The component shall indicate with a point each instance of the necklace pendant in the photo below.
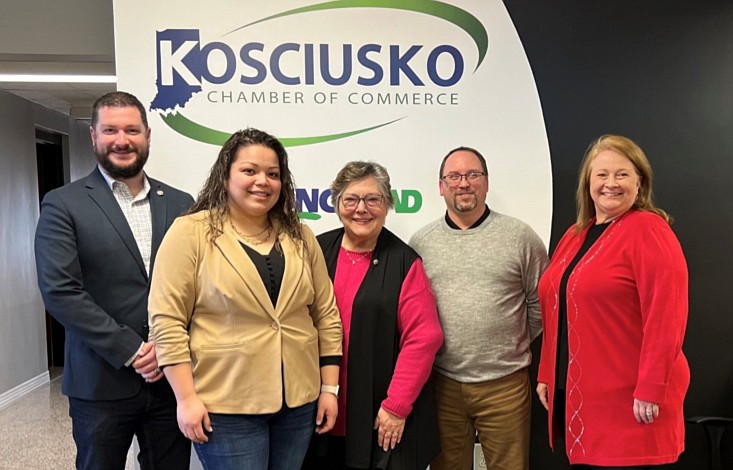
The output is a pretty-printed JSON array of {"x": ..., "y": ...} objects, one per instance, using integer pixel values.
[{"x": 355, "y": 257}]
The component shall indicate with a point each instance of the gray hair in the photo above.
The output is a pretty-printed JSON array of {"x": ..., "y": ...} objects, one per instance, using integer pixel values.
[{"x": 357, "y": 171}]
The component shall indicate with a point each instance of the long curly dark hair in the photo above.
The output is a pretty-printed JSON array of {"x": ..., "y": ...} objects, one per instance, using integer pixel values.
[{"x": 213, "y": 197}]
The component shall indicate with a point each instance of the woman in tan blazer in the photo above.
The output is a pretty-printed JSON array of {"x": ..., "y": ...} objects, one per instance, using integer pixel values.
[{"x": 243, "y": 315}]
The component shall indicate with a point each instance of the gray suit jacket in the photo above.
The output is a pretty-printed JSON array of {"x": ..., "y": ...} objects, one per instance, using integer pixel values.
[{"x": 93, "y": 281}]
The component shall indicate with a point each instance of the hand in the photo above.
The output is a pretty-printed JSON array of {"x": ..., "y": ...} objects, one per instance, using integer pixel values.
[
  {"x": 542, "y": 393},
  {"x": 327, "y": 412},
  {"x": 193, "y": 419},
  {"x": 389, "y": 429},
  {"x": 146, "y": 363},
  {"x": 645, "y": 411}
]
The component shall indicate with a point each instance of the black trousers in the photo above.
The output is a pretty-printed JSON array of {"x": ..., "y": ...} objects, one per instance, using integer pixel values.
[
  {"x": 326, "y": 453},
  {"x": 593, "y": 467}
]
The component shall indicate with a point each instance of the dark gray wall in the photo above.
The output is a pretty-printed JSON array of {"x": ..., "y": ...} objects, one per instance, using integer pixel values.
[
  {"x": 23, "y": 331},
  {"x": 660, "y": 72},
  {"x": 22, "y": 337}
]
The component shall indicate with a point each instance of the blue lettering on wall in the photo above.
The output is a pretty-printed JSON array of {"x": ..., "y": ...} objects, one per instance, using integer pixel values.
[
  {"x": 314, "y": 201},
  {"x": 184, "y": 62}
]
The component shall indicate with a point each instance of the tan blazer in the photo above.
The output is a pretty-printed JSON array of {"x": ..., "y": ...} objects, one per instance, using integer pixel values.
[{"x": 209, "y": 306}]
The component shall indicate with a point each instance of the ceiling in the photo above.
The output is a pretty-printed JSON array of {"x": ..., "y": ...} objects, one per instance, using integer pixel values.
[
  {"x": 73, "y": 37},
  {"x": 73, "y": 99}
]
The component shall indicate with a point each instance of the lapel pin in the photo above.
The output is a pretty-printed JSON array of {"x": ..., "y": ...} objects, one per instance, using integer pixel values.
[{"x": 160, "y": 192}]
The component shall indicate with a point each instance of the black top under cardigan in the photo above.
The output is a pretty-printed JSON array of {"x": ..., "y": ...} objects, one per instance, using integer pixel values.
[{"x": 374, "y": 344}]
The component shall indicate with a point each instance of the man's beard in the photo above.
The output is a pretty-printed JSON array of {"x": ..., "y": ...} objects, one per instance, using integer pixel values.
[
  {"x": 466, "y": 206},
  {"x": 124, "y": 172}
]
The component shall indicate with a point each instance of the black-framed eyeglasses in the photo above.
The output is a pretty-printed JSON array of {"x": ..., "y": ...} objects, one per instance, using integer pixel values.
[
  {"x": 372, "y": 201},
  {"x": 455, "y": 178}
]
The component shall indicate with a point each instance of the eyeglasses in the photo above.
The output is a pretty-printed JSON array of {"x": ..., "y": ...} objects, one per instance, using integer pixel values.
[
  {"x": 454, "y": 179},
  {"x": 372, "y": 201}
]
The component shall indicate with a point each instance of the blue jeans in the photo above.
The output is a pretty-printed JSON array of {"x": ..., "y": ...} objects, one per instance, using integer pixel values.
[
  {"x": 103, "y": 430},
  {"x": 276, "y": 441}
]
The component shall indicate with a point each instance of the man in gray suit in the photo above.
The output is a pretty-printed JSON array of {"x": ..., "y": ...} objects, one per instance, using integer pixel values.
[{"x": 95, "y": 245}]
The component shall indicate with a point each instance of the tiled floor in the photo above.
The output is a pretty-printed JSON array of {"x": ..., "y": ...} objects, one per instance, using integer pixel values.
[{"x": 35, "y": 431}]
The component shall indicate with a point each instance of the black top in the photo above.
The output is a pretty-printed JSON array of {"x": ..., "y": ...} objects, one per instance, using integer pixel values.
[
  {"x": 593, "y": 235},
  {"x": 271, "y": 268}
]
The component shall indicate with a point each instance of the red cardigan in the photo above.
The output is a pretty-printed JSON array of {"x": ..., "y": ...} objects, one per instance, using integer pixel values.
[{"x": 627, "y": 312}]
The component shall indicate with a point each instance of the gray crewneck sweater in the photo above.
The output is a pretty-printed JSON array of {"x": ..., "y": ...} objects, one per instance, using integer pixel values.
[{"x": 485, "y": 281}]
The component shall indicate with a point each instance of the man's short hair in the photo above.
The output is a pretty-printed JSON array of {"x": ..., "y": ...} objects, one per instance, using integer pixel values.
[
  {"x": 118, "y": 99},
  {"x": 467, "y": 149}
]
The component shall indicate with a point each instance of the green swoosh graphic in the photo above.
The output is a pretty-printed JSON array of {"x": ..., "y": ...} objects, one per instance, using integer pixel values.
[
  {"x": 309, "y": 215},
  {"x": 461, "y": 18},
  {"x": 184, "y": 126}
]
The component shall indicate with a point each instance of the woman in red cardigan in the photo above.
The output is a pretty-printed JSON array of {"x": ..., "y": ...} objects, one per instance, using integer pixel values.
[{"x": 612, "y": 373}]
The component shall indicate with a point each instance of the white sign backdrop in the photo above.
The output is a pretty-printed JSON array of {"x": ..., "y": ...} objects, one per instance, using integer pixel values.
[{"x": 400, "y": 82}]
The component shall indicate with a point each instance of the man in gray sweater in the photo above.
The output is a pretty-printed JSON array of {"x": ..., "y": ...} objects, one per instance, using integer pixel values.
[{"x": 484, "y": 268}]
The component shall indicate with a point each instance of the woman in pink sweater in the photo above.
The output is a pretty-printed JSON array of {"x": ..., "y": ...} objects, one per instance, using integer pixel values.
[{"x": 386, "y": 414}]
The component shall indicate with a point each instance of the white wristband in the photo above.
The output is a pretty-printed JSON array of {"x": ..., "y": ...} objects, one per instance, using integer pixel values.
[{"x": 334, "y": 389}]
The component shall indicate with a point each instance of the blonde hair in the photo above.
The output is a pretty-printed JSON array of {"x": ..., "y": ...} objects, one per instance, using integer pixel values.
[{"x": 629, "y": 149}]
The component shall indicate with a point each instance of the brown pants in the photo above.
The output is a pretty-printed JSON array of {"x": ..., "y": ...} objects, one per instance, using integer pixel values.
[{"x": 498, "y": 410}]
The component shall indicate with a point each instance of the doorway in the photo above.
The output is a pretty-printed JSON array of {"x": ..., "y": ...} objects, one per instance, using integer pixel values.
[{"x": 50, "y": 164}]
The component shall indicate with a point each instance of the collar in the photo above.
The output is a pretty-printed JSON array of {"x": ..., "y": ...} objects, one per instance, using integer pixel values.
[
  {"x": 111, "y": 181},
  {"x": 480, "y": 220}
]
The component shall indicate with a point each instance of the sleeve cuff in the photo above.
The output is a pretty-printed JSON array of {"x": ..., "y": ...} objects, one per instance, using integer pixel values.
[
  {"x": 401, "y": 410},
  {"x": 651, "y": 392},
  {"x": 330, "y": 361},
  {"x": 132, "y": 359}
]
